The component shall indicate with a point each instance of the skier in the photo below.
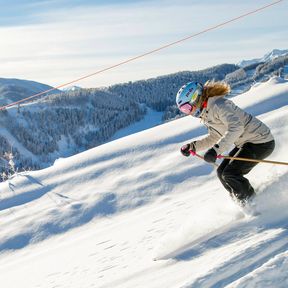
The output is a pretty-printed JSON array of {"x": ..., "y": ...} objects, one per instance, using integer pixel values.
[{"x": 227, "y": 125}]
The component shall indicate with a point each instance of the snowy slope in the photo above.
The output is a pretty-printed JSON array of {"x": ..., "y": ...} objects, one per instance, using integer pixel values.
[
  {"x": 151, "y": 119},
  {"x": 99, "y": 218}
]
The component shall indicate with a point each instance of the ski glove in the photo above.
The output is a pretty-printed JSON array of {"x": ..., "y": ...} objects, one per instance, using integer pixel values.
[
  {"x": 210, "y": 156},
  {"x": 185, "y": 149}
]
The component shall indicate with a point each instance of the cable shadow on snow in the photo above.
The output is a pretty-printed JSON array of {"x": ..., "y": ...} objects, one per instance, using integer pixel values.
[
  {"x": 32, "y": 179},
  {"x": 21, "y": 199},
  {"x": 24, "y": 198}
]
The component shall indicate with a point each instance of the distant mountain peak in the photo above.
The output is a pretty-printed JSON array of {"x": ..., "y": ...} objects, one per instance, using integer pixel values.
[
  {"x": 71, "y": 88},
  {"x": 274, "y": 54},
  {"x": 267, "y": 57}
]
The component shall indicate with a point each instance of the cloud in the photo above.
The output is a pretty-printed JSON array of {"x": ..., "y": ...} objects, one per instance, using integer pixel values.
[{"x": 72, "y": 41}]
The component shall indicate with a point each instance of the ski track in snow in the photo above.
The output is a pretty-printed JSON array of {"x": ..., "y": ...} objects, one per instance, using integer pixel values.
[{"x": 98, "y": 219}]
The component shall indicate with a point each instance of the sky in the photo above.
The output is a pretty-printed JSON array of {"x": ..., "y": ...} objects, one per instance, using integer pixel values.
[{"x": 58, "y": 41}]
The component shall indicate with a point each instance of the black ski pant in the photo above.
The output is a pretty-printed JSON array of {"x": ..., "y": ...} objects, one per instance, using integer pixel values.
[{"x": 230, "y": 172}]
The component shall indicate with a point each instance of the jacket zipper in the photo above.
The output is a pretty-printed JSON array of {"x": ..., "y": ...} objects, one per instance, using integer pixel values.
[{"x": 215, "y": 130}]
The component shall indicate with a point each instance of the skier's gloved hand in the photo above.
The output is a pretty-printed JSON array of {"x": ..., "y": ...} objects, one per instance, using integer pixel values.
[
  {"x": 210, "y": 156},
  {"x": 185, "y": 149}
]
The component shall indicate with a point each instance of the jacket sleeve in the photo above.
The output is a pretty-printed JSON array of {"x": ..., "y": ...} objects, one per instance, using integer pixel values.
[
  {"x": 208, "y": 141},
  {"x": 228, "y": 114}
]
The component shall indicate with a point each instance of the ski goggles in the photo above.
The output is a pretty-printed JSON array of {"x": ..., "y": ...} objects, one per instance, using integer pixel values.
[{"x": 186, "y": 108}]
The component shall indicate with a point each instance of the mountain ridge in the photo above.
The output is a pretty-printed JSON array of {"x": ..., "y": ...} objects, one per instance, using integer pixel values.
[
  {"x": 275, "y": 53},
  {"x": 66, "y": 123}
]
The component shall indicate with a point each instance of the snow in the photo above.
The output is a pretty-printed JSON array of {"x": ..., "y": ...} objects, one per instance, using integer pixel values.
[
  {"x": 26, "y": 84},
  {"x": 275, "y": 53},
  {"x": 99, "y": 218},
  {"x": 152, "y": 118}
]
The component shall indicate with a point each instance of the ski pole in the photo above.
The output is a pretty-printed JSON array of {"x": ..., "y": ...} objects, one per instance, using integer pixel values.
[
  {"x": 201, "y": 157},
  {"x": 241, "y": 159},
  {"x": 251, "y": 160}
]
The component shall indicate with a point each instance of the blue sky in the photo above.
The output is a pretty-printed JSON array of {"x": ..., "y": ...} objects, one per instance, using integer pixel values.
[{"x": 57, "y": 41}]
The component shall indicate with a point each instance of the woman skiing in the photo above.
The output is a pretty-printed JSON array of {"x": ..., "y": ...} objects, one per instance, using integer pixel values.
[{"x": 227, "y": 125}]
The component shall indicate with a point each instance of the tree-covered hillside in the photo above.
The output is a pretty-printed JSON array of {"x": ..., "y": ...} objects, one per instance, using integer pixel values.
[{"x": 66, "y": 123}]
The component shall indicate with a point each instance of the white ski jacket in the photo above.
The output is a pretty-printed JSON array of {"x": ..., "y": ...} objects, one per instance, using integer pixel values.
[{"x": 228, "y": 124}]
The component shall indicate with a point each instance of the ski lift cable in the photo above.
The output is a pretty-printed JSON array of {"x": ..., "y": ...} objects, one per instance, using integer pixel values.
[{"x": 141, "y": 55}]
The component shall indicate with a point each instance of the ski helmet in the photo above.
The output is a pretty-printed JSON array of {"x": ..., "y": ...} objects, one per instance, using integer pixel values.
[{"x": 189, "y": 95}]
